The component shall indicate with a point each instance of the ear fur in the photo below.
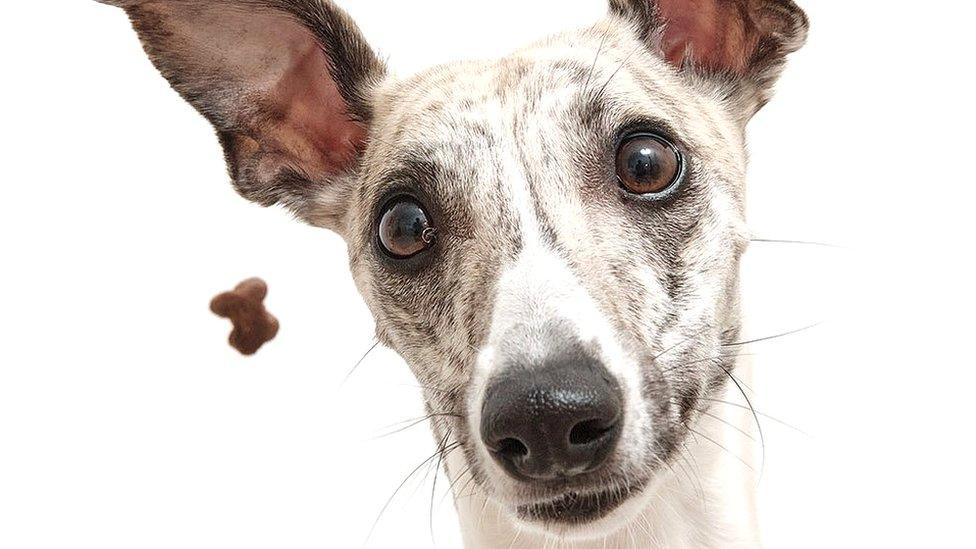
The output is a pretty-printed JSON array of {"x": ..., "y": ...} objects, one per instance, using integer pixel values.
[
  {"x": 286, "y": 84},
  {"x": 741, "y": 43}
]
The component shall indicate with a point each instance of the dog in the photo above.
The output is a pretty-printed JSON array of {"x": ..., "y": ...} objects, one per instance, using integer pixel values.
[{"x": 551, "y": 240}]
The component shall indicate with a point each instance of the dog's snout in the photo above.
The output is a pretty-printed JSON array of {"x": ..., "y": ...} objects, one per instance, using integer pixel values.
[{"x": 553, "y": 420}]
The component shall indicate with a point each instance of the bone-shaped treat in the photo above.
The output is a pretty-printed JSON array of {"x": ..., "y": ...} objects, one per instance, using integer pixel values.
[{"x": 244, "y": 306}]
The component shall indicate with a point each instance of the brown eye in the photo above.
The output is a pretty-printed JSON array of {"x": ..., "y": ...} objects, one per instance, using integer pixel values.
[
  {"x": 648, "y": 164},
  {"x": 404, "y": 229}
]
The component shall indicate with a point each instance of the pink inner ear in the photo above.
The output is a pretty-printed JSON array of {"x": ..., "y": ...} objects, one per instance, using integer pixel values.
[
  {"x": 266, "y": 78},
  {"x": 314, "y": 125},
  {"x": 717, "y": 34}
]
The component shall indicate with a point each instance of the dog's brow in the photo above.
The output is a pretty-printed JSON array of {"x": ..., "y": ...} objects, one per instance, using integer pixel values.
[
  {"x": 414, "y": 170},
  {"x": 598, "y": 111}
]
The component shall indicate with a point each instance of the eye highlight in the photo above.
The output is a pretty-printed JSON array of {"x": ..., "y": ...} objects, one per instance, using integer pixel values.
[
  {"x": 648, "y": 164},
  {"x": 404, "y": 229}
]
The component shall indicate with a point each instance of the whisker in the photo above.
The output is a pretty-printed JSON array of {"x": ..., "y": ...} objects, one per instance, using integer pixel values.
[
  {"x": 678, "y": 344},
  {"x": 713, "y": 361},
  {"x": 767, "y": 416},
  {"x": 800, "y": 242},
  {"x": 737, "y": 405},
  {"x": 619, "y": 67},
  {"x": 450, "y": 487},
  {"x": 657, "y": 458},
  {"x": 431, "y": 466},
  {"x": 695, "y": 483},
  {"x": 596, "y": 58},
  {"x": 464, "y": 487},
  {"x": 768, "y": 338},
  {"x": 633, "y": 540},
  {"x": 731, "y": 355},
  {"x": 716, "y": 443},
  {"x": 698, "y": 470},
  {"x": 518, "y": 532},
  {"x": 730, "y": 424},
  {"x": 433, "y": 492},
  {"x": 738, "y": 381},
  {"x": 428, "y": 387},
  {"x": 414, "y": 422},
  {"x": 425, "y": 416},
  {"x": 376, "y": 343},
  {"x": 481, "y": 515},
  {"x": 762, "y": 437},
  {"x": 389, "y": 501}
]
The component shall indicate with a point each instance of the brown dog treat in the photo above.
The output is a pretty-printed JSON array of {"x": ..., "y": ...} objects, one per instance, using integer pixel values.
[{"x": 253, "y": 324}]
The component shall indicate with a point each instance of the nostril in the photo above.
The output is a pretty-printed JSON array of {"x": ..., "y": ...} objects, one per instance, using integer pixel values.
[
  {"x": 589, "y": 431},
  {"x": 553, "y": 419},
  {"x": 511, "y": 448}
]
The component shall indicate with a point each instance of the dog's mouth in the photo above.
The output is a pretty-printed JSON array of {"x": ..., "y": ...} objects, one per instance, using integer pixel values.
[{"x": 574, "y": 508}]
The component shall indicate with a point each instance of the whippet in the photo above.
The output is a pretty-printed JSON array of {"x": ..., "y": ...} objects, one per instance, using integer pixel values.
[{"x": 551, "y": 240}]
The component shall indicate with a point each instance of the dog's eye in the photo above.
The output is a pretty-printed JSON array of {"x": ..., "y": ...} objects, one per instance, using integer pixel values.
[
  {"x": 648, "y": 164},
  {"x": 404, "y": 229}
]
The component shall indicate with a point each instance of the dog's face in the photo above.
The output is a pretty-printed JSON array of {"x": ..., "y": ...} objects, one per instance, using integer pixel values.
[{"x": 551, "y": 240}]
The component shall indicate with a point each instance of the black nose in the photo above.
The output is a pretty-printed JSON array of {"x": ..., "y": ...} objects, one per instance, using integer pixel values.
[{"x": 552, "y": 420}]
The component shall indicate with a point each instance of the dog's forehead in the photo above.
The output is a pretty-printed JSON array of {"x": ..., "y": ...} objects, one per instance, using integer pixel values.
[{"x": 544, "y": 94}]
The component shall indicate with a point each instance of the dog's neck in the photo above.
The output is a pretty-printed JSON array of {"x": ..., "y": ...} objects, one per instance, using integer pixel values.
[{"x": 705, "y": 499}]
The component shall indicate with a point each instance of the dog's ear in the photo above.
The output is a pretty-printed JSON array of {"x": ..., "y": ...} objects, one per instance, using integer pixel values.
[
  {"x": 741, "y": 42},
  {"x": 286, "y": 84}
]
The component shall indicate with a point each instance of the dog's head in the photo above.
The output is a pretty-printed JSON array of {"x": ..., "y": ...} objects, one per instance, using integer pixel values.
[{"x": 551, "y": 239}]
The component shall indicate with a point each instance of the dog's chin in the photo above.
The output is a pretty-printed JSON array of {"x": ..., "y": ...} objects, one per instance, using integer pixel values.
[{"x": 583, "y": 514}]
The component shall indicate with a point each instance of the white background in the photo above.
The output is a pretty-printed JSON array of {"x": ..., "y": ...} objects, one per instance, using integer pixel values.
[{"x": 126, "y": 421}]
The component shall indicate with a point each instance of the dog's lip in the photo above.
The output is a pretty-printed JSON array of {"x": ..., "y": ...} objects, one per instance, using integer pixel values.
[{"x": 577, "y": 507}]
